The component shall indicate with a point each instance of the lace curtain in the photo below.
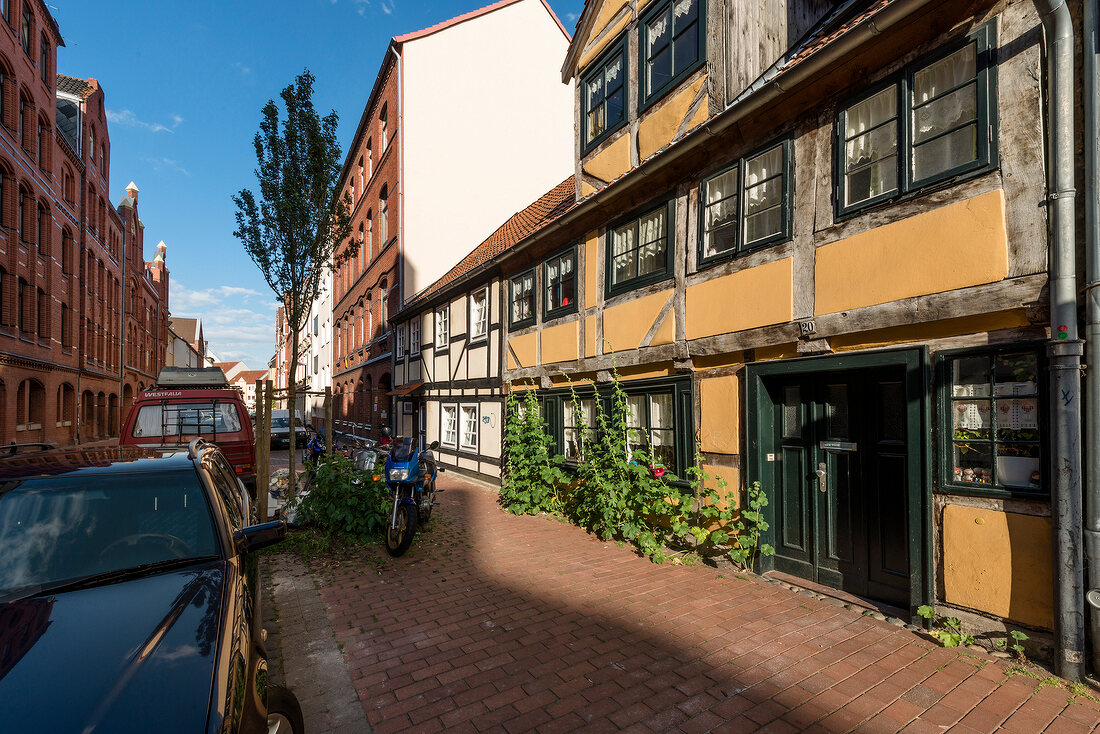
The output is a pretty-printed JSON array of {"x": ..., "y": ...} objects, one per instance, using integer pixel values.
[
  {"x": 945, "y": 114},
  {"x": 764, "y": 195}
]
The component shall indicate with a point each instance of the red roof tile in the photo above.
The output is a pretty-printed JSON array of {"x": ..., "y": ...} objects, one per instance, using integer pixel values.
[{"x": 521, "y": 225}]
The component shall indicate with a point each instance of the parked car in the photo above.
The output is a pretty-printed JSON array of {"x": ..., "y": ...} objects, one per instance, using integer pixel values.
[
  {"x": 280, "y": 429},
  {"x": 128, "y": 595},
  {"x": 187, "y": 403}
]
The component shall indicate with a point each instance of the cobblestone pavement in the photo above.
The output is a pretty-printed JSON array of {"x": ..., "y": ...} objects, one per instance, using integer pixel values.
[
  {"x": 499, "y": 623},
  {"x": 303, "y": 653}
]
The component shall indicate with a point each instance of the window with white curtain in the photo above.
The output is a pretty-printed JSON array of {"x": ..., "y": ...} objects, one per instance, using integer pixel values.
[
  {"x": 929, "y": 124},
  {"x": 578, "y": 427},
  {"x": 604, "y": 91},
  {"x": 479, "y": 313},
  {"x": 747, "y": 205},
  {"x": 414, "y": 335},
  {"x": 639, "y": 250},
  {"x": 651, "y": 427},
  {"x": 560, "y": 284},
  {"x": 449, "y": 426},
  {"x": 672, "y": 42},
  {"x": 442, "y": 328},
  {"x": 469, "y": 427},
  {"x": 522, "y": 301}
]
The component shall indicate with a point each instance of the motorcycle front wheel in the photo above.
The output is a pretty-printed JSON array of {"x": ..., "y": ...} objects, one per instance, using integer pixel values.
[{"x": 399, "y": 534}]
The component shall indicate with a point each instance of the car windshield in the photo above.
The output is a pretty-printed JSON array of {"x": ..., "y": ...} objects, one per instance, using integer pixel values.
[
  {"x": 59, "y": 529},
  {"x": 186, "y": 419},
  {"x": 403, "y": 449},
  {"x": 281, "y": 422}
]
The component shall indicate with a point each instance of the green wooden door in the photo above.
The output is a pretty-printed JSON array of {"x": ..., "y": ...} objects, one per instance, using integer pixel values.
[{"x": 839, "y": 455}]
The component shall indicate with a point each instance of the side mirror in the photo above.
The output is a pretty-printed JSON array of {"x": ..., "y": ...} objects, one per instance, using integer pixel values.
[
  {"x": 433, "y": 445},
  {"x": 259, "y": 536},
  {"x": 386, "y": 431}
]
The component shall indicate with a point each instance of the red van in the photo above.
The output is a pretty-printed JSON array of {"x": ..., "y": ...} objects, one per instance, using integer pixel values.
[{"x": 191, "y": 402}]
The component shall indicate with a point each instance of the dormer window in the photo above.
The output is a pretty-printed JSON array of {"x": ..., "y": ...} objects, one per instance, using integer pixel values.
[
  {"x": 603, "y": 97},
  {"x": 672, "y": 46}
]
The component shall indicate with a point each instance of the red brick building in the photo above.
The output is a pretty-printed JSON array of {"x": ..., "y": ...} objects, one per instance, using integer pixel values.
[
  {"x": 62, "y": 255},
  {"x": 365, "y": 287}
]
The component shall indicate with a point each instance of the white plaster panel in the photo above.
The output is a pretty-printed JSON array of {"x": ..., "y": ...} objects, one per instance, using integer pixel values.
[{"x": 487, "y": 128}]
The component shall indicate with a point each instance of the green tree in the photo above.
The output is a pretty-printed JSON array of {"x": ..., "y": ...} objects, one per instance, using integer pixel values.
[{"x": 293, "y": 231}]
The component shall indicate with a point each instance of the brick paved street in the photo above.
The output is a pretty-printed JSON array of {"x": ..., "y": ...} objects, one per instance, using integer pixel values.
[{"x": 502, "y": 623}]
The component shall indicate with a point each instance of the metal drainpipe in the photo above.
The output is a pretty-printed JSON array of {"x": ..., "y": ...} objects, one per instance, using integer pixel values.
[
  {"x": 1092, "y": 322},
  {"x": 1065, "y": 348}
]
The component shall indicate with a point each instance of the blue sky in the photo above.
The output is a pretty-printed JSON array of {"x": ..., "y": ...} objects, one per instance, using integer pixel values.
[{"x": 184, "y": 85}]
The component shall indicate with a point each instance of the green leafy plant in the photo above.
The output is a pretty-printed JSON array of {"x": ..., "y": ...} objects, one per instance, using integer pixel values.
[
  {"x": 748, "y": 528},
  {"x": 344, "y": 500},
  {"x": 532, "y": 480},
  {"x": 1018, "y": 639},
  {"x": 951, "y": 634},
  {"x": 618, "y": 494}
]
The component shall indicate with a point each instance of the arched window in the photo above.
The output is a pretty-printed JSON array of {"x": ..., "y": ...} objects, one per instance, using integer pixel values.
[
  {"x": 28, "y": 23},
  {"x": 383, "y": 211},
  {"x": 370, "y": 319},
  {"x": 44, "y": 56},
  {"x": 361, "y": 177},
  {"x": 22, "y": 214},
  {"x": 362, "y": 249},
  {"x": 66, "y": 251},
  {"x": 43, "y": 230},
  {"x": 370, "y": 235},
  {"x": 370, "y": 159},
  {"x": 383, "y": 302},
  {"x": 42, "y": 302},
  {"x": 383, "y": 130},
  {"x": 30, "y": 406}
]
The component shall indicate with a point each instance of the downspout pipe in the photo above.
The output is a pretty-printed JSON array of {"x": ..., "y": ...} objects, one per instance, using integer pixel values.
[
  {"x": 1065, "y": 347},
  {"x": 1092, "y": 321}
]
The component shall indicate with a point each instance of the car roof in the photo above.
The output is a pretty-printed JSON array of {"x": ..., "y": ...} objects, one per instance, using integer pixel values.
[{"x": 91, "y": 461}]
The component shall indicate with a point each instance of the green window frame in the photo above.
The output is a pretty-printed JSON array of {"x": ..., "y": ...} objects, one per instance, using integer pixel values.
[
  {"x": 559, "y": 278},
  {"x": 671, "y": 45},
  {"x": 639, "y": 249},
  {"x": 747, "y": 206},
  {"x": 604, "y": 97},
  {"x": 992, "y": 421},
  {"x": 675, "y": 431},
  {"x": 929, "y": 124},
  {"x": 521, "y": 299}
]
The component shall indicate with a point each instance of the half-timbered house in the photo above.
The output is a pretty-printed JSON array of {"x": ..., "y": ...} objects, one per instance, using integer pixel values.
[
  {"x": 448, "y": 356},
  {"x": 810, "y": 241}
]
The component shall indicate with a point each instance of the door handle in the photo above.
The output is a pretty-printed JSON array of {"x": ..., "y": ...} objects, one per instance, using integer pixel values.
[{"x": 822, "y": 484}]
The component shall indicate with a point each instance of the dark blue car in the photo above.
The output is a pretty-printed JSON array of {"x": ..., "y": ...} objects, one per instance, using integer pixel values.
[{"x": 128, "y": 595}]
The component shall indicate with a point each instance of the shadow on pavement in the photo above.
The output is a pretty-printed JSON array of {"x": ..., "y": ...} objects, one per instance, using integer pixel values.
[{"x": 494, "y": 622}]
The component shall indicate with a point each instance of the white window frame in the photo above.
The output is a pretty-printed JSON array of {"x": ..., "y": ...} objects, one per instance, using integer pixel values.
[
  {"x": 401, "y": 340},
  {"x": 452, "y": 408},
  {"x": 483, "y": 322},
  {"x": 443, "y": 327},
  {"x": 414, "y": 334},
  {"x": 462, "y": 426}
]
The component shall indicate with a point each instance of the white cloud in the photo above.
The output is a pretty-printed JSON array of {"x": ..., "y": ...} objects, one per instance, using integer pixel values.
[
  {"x": 169, "y": 163},
  {"x": 387, "y": 7},
  {"x": 233, "y": 329},
  {"x": 242, "y": 68},
  {"x": 127, "y": 117}
]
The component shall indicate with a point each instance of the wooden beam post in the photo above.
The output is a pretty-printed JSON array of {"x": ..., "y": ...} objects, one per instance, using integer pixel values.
[{"x": 328, "y": 420}]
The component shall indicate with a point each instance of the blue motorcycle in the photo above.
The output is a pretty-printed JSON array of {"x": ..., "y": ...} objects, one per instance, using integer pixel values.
[{"x": 410, "y": 475}]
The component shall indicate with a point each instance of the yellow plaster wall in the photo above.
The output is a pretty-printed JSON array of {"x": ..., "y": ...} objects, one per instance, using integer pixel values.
[
  {"x": 658, "y": 127},
  {"x": 559, "y": 343},
  {"x": 954, "y": 246},
  {"x": 744, "y": 300},
  {"x": 587, "y": 189},
  {"x": 590, "y": 336},
  {"x": 611, "y": 162},
  {"x": 524, "y": 348},
  {"x": 931, "y": 330},
  {"x": 625, "y": 325},
  {"x": 666, "y": 332},
  {"x": 999, "y": 563},
  {"x": 719, "y": 408},
  {"x": 591, "y": 268},
  {"x": 606, "y": 14},
  {"x": 729, "y": 474}
]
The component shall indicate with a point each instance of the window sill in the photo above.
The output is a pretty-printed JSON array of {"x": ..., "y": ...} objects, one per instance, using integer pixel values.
[
  {"x": 991, "y": 491},
  {"x": 560, "y": 312}
]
